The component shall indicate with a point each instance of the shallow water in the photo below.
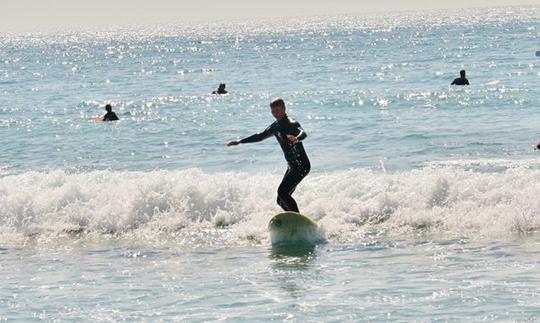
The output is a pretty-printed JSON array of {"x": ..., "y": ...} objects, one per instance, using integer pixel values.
[
  {"x": 427, "y": 194},
  {"x": 452, "y": 280}
]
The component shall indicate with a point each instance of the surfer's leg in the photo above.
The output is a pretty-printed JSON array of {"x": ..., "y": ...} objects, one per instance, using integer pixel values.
[
  {"x": 283, "y": 189},
  {"x": 291, "y": 179},
  {"x": 299, "y": 175}
]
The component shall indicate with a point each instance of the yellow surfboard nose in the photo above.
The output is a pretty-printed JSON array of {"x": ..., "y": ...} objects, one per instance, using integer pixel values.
[{"x": 292, "y": 227}]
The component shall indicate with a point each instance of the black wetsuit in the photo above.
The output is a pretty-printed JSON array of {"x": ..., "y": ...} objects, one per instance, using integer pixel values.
[
  {"x": 110, "y": 116},
  {"x": 460, "y": 81},
  {"x": 299, "y": 165}
]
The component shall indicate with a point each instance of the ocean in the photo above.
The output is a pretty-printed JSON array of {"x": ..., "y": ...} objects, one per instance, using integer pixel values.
[{"x": 427, "y": 194}]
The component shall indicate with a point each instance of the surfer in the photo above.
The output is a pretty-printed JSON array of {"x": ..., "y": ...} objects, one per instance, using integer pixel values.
[
  {"x": 221, "y": 89},
  {"x": 110, "y": 115},
  {"x": 289, "y": 134},
  {"x": 461, "y": 80}
]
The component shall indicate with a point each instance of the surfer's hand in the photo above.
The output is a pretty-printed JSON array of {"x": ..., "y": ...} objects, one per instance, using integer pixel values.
[
  {"x": 292, "y": 139},
  {"x": 233, "y": 143}
]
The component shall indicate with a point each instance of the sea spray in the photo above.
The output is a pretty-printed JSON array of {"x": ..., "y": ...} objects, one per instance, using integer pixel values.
[{"x": 442, "y": 200}]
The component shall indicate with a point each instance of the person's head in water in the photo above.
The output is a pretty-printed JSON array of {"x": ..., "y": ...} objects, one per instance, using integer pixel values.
[
  {"x": 278, "y": 108},
  {"x": 110, "y": 115},
  {"x": 461, "y": 80},
  {"x": 221, "y": 89}
]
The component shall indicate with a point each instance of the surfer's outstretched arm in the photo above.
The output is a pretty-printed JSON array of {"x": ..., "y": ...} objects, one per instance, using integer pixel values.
[{"x": 267, "y": 133}]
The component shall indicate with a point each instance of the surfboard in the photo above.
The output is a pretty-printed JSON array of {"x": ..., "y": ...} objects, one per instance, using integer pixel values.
[{"x": 293, "y": 227}]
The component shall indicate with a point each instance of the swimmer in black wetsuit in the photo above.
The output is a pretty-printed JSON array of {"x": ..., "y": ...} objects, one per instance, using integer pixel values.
[
  {"x": 221, "y": 89},
  {"x": 289, "y": 134},
  {"x": 110, "y": 115},
  {"x": 462, "y": 80}
]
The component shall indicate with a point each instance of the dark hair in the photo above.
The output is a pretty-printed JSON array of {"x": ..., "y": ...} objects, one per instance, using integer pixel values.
[
  {"x": 108, "y": 107},
  {"x": 462, "y": 72},
  {"x": 277, "y": 102}
]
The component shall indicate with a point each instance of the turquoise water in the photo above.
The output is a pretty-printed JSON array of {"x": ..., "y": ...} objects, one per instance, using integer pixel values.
[{"x": 427, "y": 194}]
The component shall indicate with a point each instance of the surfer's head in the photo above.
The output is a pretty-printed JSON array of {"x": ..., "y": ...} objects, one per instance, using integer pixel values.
[
  {"x": 222, "y": 86},
  {"x": 278, "y": 108},
  {"x": 108, "y": 108},
  {"x": 462, "y": 73}
]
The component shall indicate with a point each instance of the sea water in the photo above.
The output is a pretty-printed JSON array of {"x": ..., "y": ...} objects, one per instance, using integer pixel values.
[{"x": 428, "y": 194}]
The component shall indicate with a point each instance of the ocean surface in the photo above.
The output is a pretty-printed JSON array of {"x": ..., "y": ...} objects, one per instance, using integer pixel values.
[{"x": 427, "y": 194}]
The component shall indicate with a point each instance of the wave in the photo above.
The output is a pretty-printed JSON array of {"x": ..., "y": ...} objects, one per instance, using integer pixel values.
[{"x": 200, "y": 208}]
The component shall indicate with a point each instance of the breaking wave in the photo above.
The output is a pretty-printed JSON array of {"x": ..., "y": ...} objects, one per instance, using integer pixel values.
[{"x": 196, "y": 207}]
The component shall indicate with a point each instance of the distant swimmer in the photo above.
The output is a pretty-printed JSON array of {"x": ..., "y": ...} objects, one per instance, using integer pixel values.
[
  {"x": 290, "y": 135},
  {"x": 110, "y": 115},
  {"x": 462, "y": 80},
  {"x": 221, "y": 89}
]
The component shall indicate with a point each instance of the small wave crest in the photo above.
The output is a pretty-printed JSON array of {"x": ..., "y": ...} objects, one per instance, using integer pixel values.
[{"x": 196, "y": 207}]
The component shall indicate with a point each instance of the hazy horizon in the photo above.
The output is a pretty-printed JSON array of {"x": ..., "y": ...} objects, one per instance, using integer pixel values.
[{"x": 79, "y": 14}]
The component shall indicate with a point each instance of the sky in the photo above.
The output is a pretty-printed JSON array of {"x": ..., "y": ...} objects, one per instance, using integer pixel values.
[{"x": 38, "y": 15}]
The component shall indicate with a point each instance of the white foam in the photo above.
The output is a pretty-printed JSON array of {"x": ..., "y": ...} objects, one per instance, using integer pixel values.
[{"x": 195, "y": 207}]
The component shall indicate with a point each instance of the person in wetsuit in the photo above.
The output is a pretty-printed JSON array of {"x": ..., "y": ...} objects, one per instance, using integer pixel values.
[
  {"x": 221, "y": 89},
  {"x": 462, "y": 80},
  {"x": 289, "y": 134},
  {"x": 110, "y": 115}
]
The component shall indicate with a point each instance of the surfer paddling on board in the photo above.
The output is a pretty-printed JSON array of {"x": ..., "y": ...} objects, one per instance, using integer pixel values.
[{"x": 289, "y": 134}]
